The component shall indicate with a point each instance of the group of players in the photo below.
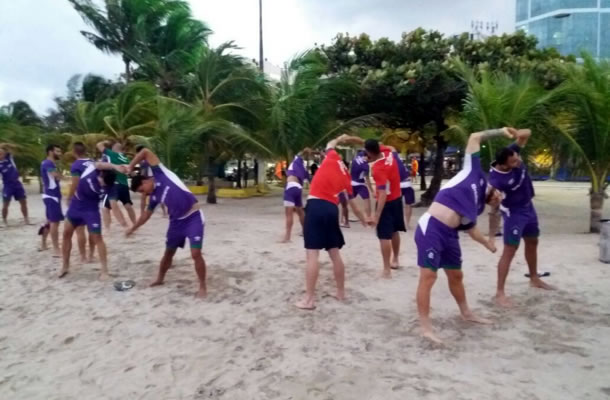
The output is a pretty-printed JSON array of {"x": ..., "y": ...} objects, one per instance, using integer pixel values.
[
  {"x": 106, "y": 182},
  {"x": 455, "y": 208}
]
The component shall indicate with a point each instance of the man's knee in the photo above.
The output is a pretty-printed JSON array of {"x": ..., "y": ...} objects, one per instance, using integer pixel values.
[
  {"x": 509, "y": 251},
  {"x": 455, "y": 276},
  {"x": 196, "y": 253},
  {"x": 427, "y": 277},
  {"x": 530, "y": 241}
]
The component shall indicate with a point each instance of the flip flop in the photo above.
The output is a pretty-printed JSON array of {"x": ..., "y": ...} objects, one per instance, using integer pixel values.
[
  {"x": 540, "y": 274},
  {"x": 122, "y": 286}
]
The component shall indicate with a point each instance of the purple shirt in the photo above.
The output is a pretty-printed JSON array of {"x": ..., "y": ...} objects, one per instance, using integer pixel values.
[
  {"x": 172, "y": 192},
  {"x": 297, "y": 169},
  {"x": 89, "y": 190},
  {"x": 402, "y": 170},
  {"x": 516, "y": 185},
  {"x": 49, "y": 183},
  {"x": 8, "y": 170},
  {"x": 359, "y": 170},
  {"x": 79, "y": 166},
  {"x": 465, "y": 192}
]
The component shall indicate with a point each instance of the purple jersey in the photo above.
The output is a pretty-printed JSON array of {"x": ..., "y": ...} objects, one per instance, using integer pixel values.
[
  {"x": 359, "y": 170},
  {"x": 465, "y": 192},
  {"x": 172, "y": 192},
  {"x": 515, "y": 185},
  {"x": 49, "y": 183},
  {"x": 89, "y": 192},
  {"x": 8, "y": 170},
  {"x": 402, "y": 170},
  {"x": 297, "y": 169},
  {"x": 79, "y": 166}
]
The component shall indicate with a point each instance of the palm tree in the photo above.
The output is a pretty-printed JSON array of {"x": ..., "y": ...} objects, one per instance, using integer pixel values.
[
  {"x": 172, "y": 50},
  {"x": 132, "y": 114},
  {"x": 119, "y": 26},
  {"x": 583, "y": 106},
  {"x": 229, "y": 98}
]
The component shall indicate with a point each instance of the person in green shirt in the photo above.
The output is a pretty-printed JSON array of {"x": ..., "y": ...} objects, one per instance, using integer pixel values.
[{"x": 120, "y": 191}]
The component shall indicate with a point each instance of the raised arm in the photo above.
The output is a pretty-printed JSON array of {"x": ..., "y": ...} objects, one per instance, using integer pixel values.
[
  {"x": 147, "y": 155},
  {"x": 475, "y": 139},
  {"x": 101, "y": 146},
  {"x": 345, "y": 139},
  {"x": 522, "y": 136},
  {"x": 109, "y": 166}
]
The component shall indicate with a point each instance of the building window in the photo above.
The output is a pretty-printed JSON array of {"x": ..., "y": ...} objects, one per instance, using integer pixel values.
[
  {"x": 540, "y": 7},
  {"x": 522, "y": 10},
  {"x": 569, "y": 35},
  {"x": 604, "y": 47}
]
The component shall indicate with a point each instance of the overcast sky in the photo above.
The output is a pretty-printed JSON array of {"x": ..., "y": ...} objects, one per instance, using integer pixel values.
[{"x": 41, "y": 47}]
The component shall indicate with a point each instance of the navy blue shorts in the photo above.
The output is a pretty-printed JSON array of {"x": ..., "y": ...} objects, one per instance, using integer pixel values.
[
  {"x": 391, "y": 220},
  {"x": 322, "y": 229}
]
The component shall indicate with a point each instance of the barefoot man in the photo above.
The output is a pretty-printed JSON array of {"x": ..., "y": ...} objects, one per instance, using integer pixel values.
[
  {"x": 77, "y": 168},
  {"x": 84, "y": 210},
  {"x": 509, "y": 175},
  {"x": 388, "y": 217},
  {"x": 293, "y": 193},
  {"x": 120, "y": 191},
  {"x": 322, "y": 229},
  {"x": 12, "y": 187},
  {"x": 51, "y": 197},
  {"x": 361, "y": 182},
  {"x": 185, "y": 218},
  {"x": 455, "y": 207}
]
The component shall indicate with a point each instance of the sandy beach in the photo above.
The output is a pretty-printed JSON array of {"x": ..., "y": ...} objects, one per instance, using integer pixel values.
[{"x": 78, "y": 338}]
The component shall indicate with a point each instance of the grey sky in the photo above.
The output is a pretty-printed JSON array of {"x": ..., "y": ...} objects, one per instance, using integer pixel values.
[{"x": 42, "y": 48}]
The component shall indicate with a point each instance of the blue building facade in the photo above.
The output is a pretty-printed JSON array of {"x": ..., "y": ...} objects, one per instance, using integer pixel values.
[{"x": 570, "y": 26}]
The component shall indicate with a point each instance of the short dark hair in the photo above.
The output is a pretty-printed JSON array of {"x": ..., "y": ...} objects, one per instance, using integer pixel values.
[
  {"x": 503, "y": 155},
  {"x": 372, "y": 146},
  {"x": 52, "y": 147},
  {"x": 137, "y": 181},
  {"x": 109, "y": 177},
  {"x": 79, "y": 148},
  {"x": 139, "y": 148}
]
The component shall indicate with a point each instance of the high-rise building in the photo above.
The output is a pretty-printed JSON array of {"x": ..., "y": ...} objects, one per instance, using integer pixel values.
[{"x": 568, "y": 25}]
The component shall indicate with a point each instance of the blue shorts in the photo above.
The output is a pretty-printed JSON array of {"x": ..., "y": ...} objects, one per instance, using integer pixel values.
[
  {"x": 321, "y": 230},
  {"x": 360, "y": 190},
  {"x": 53, "y": 209},
  {"x": 191, "y": 227},
  {"x": 90, "y": 218},
  {"x": 13, "y": 190},
  {"x": 392, "y": 220},
  {"x": 293, "y": 196},
  {"x": 409, "y": 195},
  {"x": 438, "y": 246},
  {"x": 518, "y": 223}
]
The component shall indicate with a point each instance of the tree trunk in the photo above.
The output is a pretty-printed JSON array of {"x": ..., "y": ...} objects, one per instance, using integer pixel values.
[
  {"x": 211, "y": 199},
  {"x": 238, "y": 177},
  {"x": 127, "y": 70},
  {"x": 437, "y": 178},
  {"x": 422, "y": 171},
  {"x": 256, "y": 172},
  {"x": 597, "y": 207}
]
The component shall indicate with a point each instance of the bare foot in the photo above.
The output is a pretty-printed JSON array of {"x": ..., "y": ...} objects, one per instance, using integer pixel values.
[
  {"x": 540, "y": 284},
  {"x": 84, "y": 260},
  {"x": 340, "y": 295},
  {"x": 429, "y": 334},
  {"x": 156, "y": 283},
  {"x": 395, "y": 264},
  {"x": 103, "y": 276},
  {"x": 62, "y": 273},
  {"x": 201, "y": 293},
  {"x": 306, "y": 304},
  {"x": 285, "y": 241},
  {"x": 56, "y": 253},
  {"x": 43, "y": 248},
  {"x": 386, "y": 274},
  {"x": 503, "y": 301},
  {"x": 345, "y": 225},
  {"x": 91, "y": 260},
  {"x": 27, "y": 222},
  {"x": 470, "y": 317}
]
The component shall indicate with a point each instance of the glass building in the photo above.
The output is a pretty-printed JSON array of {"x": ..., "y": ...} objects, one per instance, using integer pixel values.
[{"x": 568, "y": 25}]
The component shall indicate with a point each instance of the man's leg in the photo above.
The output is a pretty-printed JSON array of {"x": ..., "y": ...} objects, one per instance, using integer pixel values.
[
  {"x": 143, "y": 199},
  {"x": 200, "y": 268},
  {"x": 311, "y": 277},
  {"x": 106, "y": 217},
  {"x": 66, "y": 246},
  {"x": 131, "y": 213},
  {"x": 408, "y": 213},
  {"x": 339, "y": 270},
  {"x": 98, "y": 239},
  {"x": 456, "y": 287},
  {"x": 24, "y": 210},
  {"x": 44, "y": 235},
  {"x": 301, "y": 213},
  {"x": 5, "y": 203},
  {"x": 118, "y": 214},
  {"x": 344, "y": 215},
  {"x": 531, "y": 257},
  {"x": 91, "y": 249},
  {"x": 289, "y": 211},
  {"x": 81, "y": 239},
  {"x": 54, "y": 231},
  {"x": 427, "y": 277},
  {"x": 395, "y": 250},
  {"x": 386, "y": 255},
  {"x": 166, "y": 262},
  {"x": 503, "y": 266}
]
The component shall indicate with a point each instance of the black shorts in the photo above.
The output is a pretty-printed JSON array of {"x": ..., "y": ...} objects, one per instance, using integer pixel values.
[
  {"x": 118, "y": 192},
  {"x": 322, "y": 229},
  {"x": 391, "y": 220}
]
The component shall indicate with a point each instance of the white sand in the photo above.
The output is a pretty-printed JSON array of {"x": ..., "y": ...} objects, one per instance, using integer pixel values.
[{"x": 80, "y": 339}]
